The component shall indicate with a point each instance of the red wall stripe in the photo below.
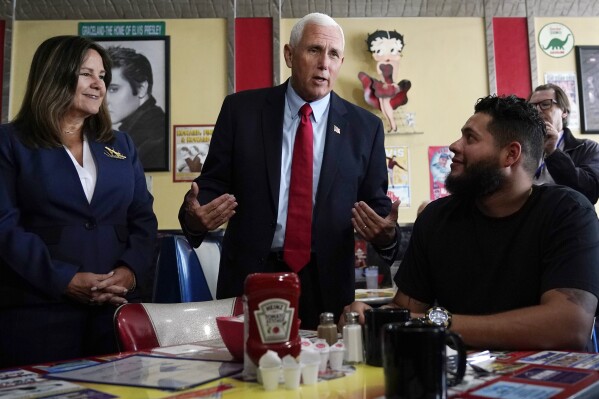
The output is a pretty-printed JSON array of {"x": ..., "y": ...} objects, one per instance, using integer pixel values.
[
  {"x": 512, "y": 60},
  {"x": 253, "y": 53},
  {"x": 2, "y": 30}
]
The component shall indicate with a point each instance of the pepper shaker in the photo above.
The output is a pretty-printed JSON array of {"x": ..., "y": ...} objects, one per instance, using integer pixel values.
[{"x": 327, "y": 330}]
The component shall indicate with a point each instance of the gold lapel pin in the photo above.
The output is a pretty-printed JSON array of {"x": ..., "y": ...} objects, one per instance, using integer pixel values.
[{"x": 109, "y": 152}]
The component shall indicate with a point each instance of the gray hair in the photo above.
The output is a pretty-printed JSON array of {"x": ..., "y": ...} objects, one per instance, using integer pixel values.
[
  {"x": 560, "y": 97},
  {"x": 315, "y": 18}
]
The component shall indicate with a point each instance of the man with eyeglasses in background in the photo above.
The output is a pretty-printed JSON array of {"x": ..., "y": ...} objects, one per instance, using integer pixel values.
[{"x": 566, "y": 160}]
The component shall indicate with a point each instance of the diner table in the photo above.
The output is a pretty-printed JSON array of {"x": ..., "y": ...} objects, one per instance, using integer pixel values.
[
  {"x": 365, "y": 383},
  {"x": 547, "y": 374},
  {"x": 544, "y": 374}
]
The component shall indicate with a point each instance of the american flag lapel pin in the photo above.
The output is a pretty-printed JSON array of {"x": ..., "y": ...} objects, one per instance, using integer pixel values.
[{"x": 336, "y": 129}]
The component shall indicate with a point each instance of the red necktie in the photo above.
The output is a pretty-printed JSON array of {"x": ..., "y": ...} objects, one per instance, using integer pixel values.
[{"x": 298, "y": 235}]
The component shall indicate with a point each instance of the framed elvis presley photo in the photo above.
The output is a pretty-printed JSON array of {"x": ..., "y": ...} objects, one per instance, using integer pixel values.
[{"x": 138, "y": 95}]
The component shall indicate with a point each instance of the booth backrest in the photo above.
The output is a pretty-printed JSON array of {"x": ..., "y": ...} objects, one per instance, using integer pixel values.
[
  {"x": 185, "y": 274},
  {"x": 141, "y": 326},
  {"x": 208, "y": 254}
]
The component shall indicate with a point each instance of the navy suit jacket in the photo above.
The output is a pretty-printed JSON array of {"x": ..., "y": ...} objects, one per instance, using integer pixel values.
[
  {"x": 245, "y": 160},
  {"x": 48, "y": 229}
]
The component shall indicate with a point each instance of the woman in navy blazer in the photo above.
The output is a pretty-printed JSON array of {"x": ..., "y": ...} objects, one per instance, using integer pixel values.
[{"x": 77, "y": 229}]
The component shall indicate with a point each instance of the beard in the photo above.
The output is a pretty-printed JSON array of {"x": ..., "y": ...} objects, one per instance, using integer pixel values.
[{"x": 477, "y": 180}]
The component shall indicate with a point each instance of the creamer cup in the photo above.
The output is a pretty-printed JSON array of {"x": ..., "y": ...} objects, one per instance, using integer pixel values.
[
  {"x": 270, "y": 377},
  {"x": 310, "y": 373},
  {"x": 322, "y": 347},
  {"x": 336, "y": 353}
]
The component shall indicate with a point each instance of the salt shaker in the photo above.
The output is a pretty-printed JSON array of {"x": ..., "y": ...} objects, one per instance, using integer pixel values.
[
  {"x": 352, "y": 338},
  {"x": 327, "y": 330}
]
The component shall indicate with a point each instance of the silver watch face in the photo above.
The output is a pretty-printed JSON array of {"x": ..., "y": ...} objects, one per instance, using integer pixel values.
[{"x": 438, "y": 316}]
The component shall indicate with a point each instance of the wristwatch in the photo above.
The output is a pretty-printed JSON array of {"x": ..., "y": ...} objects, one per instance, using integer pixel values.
[{"x": 437, "y": 316}]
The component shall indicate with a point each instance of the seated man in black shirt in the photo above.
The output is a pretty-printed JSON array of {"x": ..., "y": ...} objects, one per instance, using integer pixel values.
[{"x": 507, "y": 265}]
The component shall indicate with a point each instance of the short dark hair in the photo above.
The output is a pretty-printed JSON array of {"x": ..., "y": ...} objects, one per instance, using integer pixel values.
[
  {"x": 136, "y": 68},
  {"x": 515, "y": 119},
  {"x": 51, "y": 87},
  {"x": 560, "y": 98}
]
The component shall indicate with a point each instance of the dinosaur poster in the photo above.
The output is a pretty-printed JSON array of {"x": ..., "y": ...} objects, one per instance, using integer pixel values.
[
  {"x": 556, "y": 40},
  {"x": 383, "y": 91}
]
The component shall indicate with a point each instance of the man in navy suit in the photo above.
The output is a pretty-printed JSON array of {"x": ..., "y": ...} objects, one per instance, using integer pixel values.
[{"x": 246, "y": 178}]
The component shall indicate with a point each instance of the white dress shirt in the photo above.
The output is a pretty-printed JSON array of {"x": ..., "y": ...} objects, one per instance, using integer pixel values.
[
  {"x": 87, "y": 173},
  {"x": 291, "y": 119}
]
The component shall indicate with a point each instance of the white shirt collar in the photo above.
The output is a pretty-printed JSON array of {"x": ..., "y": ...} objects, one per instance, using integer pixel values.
[{"x": 295, "y": 102}]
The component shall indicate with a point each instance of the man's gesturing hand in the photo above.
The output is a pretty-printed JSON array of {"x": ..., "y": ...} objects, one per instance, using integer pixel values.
[{"x": 202, "y": 218}]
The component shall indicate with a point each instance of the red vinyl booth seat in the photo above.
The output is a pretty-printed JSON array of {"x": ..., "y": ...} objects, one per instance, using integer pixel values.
[{"x": 142, "y": 326}]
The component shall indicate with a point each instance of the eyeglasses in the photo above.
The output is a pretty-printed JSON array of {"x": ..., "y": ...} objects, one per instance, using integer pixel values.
[{"x": 545, "y": 104}]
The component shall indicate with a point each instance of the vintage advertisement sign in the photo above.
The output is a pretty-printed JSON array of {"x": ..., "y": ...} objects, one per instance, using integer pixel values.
[
  {"x": 191, "y": 146},
  {"x": 398, "y": 164},
  {"x": 556, "y": 40},
  {"x": 439, "y": 166},
  {"x": 107, "y": 29}
]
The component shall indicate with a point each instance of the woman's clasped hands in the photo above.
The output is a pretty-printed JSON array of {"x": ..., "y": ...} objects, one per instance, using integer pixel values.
[{"x": 98, "y": 289}]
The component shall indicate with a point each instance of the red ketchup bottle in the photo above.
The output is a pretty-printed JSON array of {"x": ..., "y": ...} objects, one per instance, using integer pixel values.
[{"x": 270, "y": 305}]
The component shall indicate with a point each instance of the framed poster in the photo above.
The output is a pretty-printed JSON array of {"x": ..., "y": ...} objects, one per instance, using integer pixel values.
[
  {"x": 439, "y": 158},
  {"x": 191, "y": 145},
  {"x": 587, "y": 69},
  {"x": 138, "y": 94},
  {"x": 567, "y": 82},
  {"x": 398, "y": 165}
]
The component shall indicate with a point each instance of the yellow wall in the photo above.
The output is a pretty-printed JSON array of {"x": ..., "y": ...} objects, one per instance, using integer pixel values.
[
  {"x": 584, "y": 31},
  {"x": 198, "y": 84},
  {"x": 444, "y": 58},
  {"x": 446, "y": 61},
  {"x": 585, "y": 34}
]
